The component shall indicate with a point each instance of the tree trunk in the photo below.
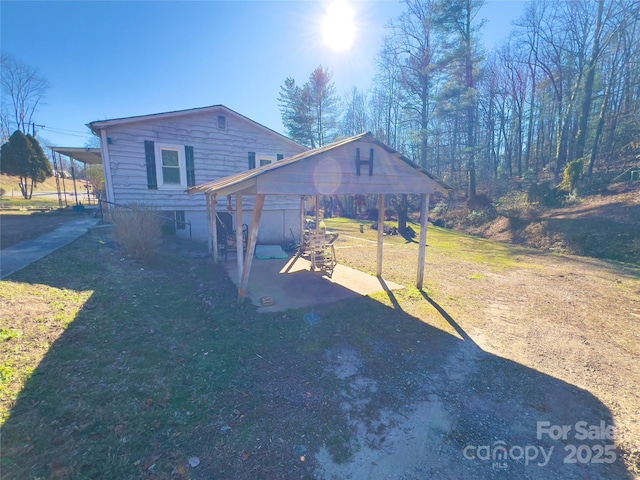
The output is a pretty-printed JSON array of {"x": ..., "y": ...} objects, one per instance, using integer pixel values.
[
  {"x": 471, "y": 140},
  {"x": 24, "y": 187},
  {"x": 588, "y": 86},
  {"x": 403, "y": 206}
]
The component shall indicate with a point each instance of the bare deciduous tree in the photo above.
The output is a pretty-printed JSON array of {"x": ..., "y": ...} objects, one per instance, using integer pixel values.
[{"x": 23, "y": 89}]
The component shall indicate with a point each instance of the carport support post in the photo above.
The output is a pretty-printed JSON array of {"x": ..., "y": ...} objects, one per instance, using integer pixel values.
[
  {"x": 380, "y": 233},
  {"x": 214, "y": 228},
  {"x": 424, "y": 216},
  {"x": 302, "y": 218},
  {"x": 239, "y": 246},
  {"x": 207, "y": 200},
  {"x": 251, "y": 246}
]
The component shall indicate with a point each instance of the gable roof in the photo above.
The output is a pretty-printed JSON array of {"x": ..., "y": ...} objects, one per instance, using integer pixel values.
[
  {"x": 98, "y": 125},
  {"x": 249, "y": 181}
]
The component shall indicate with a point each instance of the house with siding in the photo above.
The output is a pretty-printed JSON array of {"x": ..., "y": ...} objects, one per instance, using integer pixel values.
[{"x": 154, "y": 159}]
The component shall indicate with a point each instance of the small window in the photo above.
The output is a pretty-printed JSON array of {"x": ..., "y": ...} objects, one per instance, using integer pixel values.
[
  {"x": 181, "y": 223},
  {"x": 252, "y": 160},
  {"x": 265, "y": 159},
  {"x": 222, "y": 122},
  {"x": 279, "y": 157}
]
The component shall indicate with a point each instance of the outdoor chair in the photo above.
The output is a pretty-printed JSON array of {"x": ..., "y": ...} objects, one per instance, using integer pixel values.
[
  {"x": 227, "y": 240},
  {"x": 322, "y": 255}
]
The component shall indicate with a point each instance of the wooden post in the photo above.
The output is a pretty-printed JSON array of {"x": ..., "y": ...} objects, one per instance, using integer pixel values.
[
  {"x": 209, "y": 234},
  {"x": 424, "y": 216},
  {"x": 239, "y": 247},
  {"x": 214, "y": 229},
  {"x": 302, "y": 218},
  {"x": 317, "y": 214},
  {"x": 251, "y": 246},
  {"x": 380, "y": 233}
]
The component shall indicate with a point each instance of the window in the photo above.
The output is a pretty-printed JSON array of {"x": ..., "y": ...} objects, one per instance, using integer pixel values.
[
  {"x": 171, "y": 166},
  {"x": 180, "y": 220},
  {"x": 262, "y": 159},
  {"x": 222, "y": 122},
  {"x": 265, "y": 159}
]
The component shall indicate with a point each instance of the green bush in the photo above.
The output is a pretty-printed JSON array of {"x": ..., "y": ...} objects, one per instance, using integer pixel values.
[
  {"x": 477, "y": 218},
  {"x": 440, "y": 208},
  {"x": 572, "y": 175}
]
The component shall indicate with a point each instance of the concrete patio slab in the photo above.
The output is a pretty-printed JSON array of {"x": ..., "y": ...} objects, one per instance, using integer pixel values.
[{"x": 291, "y": 284}]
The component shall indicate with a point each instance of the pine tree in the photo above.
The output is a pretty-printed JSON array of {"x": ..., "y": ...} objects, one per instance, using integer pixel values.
[
  {"x": 23, "y": 157},
  {"x": 310, "y": 113}
]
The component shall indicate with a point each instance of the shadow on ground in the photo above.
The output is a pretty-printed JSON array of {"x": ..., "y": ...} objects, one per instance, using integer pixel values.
[
  {"x": 18, "y": 228},
  {"x": 162, "y": 375}
]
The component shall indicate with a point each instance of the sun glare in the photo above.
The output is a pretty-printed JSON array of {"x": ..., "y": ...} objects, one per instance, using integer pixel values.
[{"x": 338, "y": 29}]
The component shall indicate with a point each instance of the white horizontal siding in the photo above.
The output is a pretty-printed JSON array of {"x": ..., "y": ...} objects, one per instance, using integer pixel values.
[
  {"x": 275, "y": 226},
  {"x": 217, "y": 153}
]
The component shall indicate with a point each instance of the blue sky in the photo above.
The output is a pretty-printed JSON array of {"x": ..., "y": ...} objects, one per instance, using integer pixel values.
[{"x": 115, "y": 59}]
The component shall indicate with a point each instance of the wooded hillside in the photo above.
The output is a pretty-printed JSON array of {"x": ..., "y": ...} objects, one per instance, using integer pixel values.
[{"x": 563, "y": 90}]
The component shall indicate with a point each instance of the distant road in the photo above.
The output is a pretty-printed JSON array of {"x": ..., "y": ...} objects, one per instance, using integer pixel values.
[{"x": 53, "y": 195}]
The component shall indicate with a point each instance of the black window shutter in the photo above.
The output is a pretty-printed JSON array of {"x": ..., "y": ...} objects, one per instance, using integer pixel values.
[
  {"x": 279, "y": 157},
  {"x": 252, "y": 160},
  {"x": 150, "y": 156},
  {"x": 191, "y": 171}
]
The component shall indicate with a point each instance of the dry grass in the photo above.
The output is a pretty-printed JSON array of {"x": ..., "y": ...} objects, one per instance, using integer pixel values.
[
  {"x": 116, "y": 369},
  {"x": 137, "y": 229},
  {"x": 9, "y": 183},
  {"x": 40, "y": 314}
]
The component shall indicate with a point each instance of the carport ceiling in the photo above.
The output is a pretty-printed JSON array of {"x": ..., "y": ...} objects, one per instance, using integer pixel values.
[{"x": 91, "y": 156}]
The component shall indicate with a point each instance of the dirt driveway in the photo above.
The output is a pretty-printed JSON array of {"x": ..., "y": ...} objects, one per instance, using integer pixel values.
[
  {"x": 18, "y": 228},
  {"x": 539, "y": 379}
]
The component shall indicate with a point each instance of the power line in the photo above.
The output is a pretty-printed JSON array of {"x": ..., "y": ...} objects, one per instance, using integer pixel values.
[
  {"x": 64, "y": 132},
  {"x": 64, "y": 129}
]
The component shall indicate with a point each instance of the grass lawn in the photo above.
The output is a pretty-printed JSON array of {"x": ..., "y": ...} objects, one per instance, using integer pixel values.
[
  {"x": 19, "y": 202},
  {"x": 114, "y": 369}
]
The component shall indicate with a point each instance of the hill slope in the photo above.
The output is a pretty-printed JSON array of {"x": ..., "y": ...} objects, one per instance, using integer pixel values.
[{"x": 605, "y": 226}]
